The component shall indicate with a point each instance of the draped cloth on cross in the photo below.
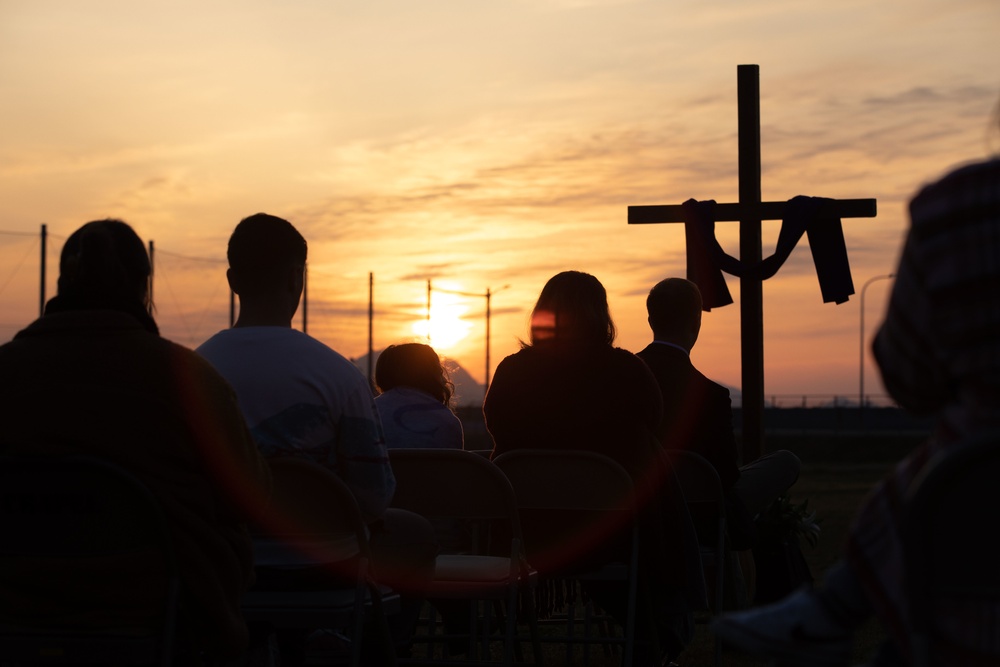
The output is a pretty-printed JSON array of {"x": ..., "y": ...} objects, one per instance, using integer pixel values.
[{"x": 706, "y": 260}]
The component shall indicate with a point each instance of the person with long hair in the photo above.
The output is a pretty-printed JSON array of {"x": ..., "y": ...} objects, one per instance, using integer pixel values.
[
  {"x": 569, "y": 387},
  {"x": 93, "y": 377},
  {"x": 414, "y": 402}
]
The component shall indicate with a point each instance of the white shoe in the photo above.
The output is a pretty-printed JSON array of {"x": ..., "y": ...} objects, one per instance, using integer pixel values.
[{"x": 797, "y": 631}]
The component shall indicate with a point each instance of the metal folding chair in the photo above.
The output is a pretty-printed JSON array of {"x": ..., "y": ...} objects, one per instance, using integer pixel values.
[
  {"x": 574, "y": 500},
  {"x": 465, "y": 486},
  {"x": 89, "y": 573},
  {"x": 314, "y": 523}
]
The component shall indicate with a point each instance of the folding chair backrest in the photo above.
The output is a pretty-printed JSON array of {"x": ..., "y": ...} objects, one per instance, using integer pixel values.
[
  {"x": 313, "y": 512},
  {"x": 76, "y": 507},
  {"x": 950, "y": 541},
  {"x": 483, "y": 492},
  {"x": 86, "y": 551},
  {"x": 567, "y": 479},
  {"x": 698, "y": 477},
  {"x": 313, "y": 524},
  {"x": 579, "y": 515},
  {"x": 462, "y": 492},
  {"x": 571, "y": 502}
]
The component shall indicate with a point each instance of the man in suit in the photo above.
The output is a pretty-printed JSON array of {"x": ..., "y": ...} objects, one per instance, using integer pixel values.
[{"x": 697, "y": 413}]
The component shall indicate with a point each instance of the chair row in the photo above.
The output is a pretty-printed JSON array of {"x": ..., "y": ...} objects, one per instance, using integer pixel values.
[
  {"x": 314, "y": 519},
  {"x": 495, "y": 572}
]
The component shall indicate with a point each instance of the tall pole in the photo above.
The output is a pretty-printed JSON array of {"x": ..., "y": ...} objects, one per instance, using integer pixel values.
[
  {"x": 44, "y": 239},
  {"x": 861, "y": 366},
  {"x": 486, "y": 382},
  {"x": 305, "y": 298},
  {"x": 428, "y": 311},
  {"x": 371, "y": 317},
  {"x": 751, "y": 288},
  {"x": 489, "y": 296},
  {"x": 152, "y": 271}
]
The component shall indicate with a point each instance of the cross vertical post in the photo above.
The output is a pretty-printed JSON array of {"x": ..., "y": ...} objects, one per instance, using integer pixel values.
[
  {"x": 751, "y": 289},
  {"x": 41, "y": 268}
]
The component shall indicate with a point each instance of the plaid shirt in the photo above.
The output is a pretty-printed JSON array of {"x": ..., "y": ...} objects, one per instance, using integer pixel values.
[{"x": 939, "y": 352}]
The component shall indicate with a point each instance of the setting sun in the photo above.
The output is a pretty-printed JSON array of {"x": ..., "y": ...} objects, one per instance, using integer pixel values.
[
  {"x": 448, "y": 325},
  {"x": 474, "y": 164}
]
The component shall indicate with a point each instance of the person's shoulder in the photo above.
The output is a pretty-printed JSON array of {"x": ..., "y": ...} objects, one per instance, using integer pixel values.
[
  {"x": 628, "y": 362},
  {"x": 196, "y": 365},
  {"x": 983, "y": 174},
  {"x": 710, "y": 385},
  {"x": 973, "y": 171},
  {"x": 283, "y": 338},
  {"x": 651, "y": 352},
  {"x": 216, "y": 341},
  {"x": 523, "y": 356},
  {"x": 661, "y": 352},
  {"x": 404, "y": 394},
  {"x": 647, "y": 351},
  {"x": 625, "y": 355}
]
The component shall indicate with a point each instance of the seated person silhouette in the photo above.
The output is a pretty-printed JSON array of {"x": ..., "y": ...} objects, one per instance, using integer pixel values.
[
  {"x": 303, "y": 399},
  {"x": 93, "y": 377},
  {"x": 415, "y": 399},
  {"x": 938, "y": 350},
  {"x": 697, "y": 415},
  {"x": 571, "y": 388}
]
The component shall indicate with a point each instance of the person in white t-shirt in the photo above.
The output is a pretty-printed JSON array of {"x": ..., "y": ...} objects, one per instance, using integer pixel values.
[{"x": 303, "y": 399}]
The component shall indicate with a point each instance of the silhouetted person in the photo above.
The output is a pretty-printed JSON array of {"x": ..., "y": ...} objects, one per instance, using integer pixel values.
[
  {"x": 697, "y": 415},
  {"x": 300, "y": 397},
  {"x": 570, "y": 388},
  {"x": 415, "y": 399},
  {"x": 939, "y": 353},
  {"x": 415, "y": 408},
  {"x": 303, "y": 399},
  {"x": 93, "y": 377}
]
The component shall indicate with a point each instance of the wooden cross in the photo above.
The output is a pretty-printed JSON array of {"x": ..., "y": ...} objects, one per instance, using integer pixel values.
[{"x": 750, "y": 211}]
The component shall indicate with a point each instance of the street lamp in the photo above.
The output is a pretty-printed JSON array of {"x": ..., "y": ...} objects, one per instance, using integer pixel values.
[{"x": 861, "y": 368}]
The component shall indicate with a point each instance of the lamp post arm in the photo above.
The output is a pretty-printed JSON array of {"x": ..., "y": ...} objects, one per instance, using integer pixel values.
[{"x": 861, "y": 367}]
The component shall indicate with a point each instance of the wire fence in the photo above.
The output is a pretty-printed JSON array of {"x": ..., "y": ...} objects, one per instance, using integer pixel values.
[
  {"x": 193, "y": 301},
  {"x": 824, "y": 401}
]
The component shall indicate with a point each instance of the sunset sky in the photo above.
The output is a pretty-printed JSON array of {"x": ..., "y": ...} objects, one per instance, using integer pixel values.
[{"x": 482, "y": 144}]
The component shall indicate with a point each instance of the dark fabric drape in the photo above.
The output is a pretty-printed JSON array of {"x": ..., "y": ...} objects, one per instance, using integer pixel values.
[{"x": 706, "y": 260}]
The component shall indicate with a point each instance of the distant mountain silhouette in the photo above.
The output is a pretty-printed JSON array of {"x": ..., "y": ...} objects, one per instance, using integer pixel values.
[{"x": 468, "y": 392}]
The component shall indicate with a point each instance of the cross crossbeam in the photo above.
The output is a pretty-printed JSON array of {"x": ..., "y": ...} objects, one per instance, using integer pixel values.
[{"x": 771, "y": 210}]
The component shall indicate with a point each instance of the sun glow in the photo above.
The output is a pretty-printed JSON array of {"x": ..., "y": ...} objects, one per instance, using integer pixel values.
[{"x": 448, "y": 326}]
